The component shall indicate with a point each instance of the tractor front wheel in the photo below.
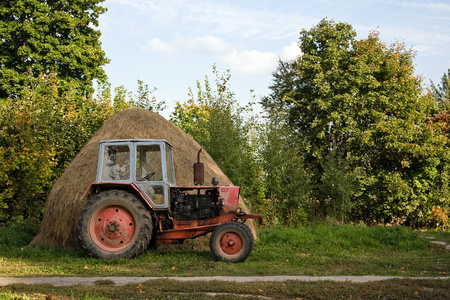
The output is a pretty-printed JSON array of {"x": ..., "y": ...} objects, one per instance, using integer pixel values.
[
  {"x": 115, "y": 224},
  {"x": 231, "y": 242}
]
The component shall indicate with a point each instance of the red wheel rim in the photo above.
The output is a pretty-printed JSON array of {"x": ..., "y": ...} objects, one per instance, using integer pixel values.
[
  {"x": 112, "y": 227},
  {"x": 231, "y": 243}
]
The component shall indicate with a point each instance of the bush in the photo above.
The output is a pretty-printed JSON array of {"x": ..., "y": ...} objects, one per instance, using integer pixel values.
[{"x": 19, "y": 234}]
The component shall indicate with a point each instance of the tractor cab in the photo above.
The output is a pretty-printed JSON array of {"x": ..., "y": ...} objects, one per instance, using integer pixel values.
[{"x": 147, "y": 164}]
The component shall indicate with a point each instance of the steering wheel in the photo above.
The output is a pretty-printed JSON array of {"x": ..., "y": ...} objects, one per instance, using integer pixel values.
[{"x": 148, "y": 176}]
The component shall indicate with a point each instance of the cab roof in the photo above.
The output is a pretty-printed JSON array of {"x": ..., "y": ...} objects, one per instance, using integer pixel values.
[{"x": 135, "y": 140}]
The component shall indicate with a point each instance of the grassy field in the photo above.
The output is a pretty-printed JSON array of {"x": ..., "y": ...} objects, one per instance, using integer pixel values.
[{"x": 321, "y": 250}]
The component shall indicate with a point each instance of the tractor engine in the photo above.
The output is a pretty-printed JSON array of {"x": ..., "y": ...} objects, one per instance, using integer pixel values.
[{"x": 195, "y": 203}]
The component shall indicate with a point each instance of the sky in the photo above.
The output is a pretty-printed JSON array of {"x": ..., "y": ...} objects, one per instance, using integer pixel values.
[{"x": 172, "y": 44}]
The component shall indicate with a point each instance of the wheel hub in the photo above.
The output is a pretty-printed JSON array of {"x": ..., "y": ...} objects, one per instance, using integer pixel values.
[
  {"x": 112, "y": 228},
  {"x": 231, "y": 243}
]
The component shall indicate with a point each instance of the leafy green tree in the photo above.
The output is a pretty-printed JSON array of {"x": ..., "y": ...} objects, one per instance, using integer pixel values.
[
  {"x": 217, "y": 122},
  {"x": 337, "y": 183},
  {"x": 286, "y": 180},
  {"x": 50, "y": 36},
  {"x": 442, "y": 91},
  {"x": 443, "y": 120},
  {"x": 124, "y": 98},
  {"x": 144, "y": 98},
  {"x": 359, "y": 101},
  {"x": 41, "y": 131},
  {"x": 27, "y": 156}
]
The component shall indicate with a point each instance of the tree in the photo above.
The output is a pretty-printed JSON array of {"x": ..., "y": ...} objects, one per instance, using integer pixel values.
[
  {"x": 41, "y": 131},
  {"x": 442, "y": 91},
  {"x": 44, "y": 36},
  {"x": 27, "y": 154},
  {"x": 286, "y": 180},
  {"x": 359, "y": 101},
  {"x": 217, "y": 122},
  {"x": 144, "y": 98}
]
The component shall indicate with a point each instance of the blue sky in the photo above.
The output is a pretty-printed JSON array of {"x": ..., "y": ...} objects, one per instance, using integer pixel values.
[{"x": 170, "y": 44}]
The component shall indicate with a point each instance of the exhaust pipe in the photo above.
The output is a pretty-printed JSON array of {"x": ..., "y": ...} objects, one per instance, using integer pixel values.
[{"x": 199, "y": 171}]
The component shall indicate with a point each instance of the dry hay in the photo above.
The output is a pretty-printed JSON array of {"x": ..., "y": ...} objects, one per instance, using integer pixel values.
[{"x": 64, "y": 202}]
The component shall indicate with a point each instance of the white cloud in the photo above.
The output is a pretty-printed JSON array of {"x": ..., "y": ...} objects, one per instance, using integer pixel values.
[
  {"x": 158, "y": 46},
  {"x": 251, "y": 62},
  {"x": 290, "y": 52},
  {"x": 210, "y": 45}
]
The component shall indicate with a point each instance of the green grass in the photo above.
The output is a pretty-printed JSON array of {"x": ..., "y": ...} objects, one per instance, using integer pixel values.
[
  {"x": 321, "y": 250},
  {"x": 169, "y": 289}
]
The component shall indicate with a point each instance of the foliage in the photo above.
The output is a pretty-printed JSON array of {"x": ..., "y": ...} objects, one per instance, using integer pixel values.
[
  {"x": 19, "y": 234},
  {"x": 337, "y": 183},
  {"x": 442, "y": 91},
  {"x": 287, "y": 182},
  {"x": 41, "y": 132},
  {"x": 216, "y": 121},
  {"x": 443, "y": 120},
  {"x": 145, "y": 100},
  {"x": 50, "y": 53},
  {"x": 358, "y": 113},
  {"x": 439, "y": 218},
  {"x": 27, "y": 155},
  {"x": 50, "y": 36}
]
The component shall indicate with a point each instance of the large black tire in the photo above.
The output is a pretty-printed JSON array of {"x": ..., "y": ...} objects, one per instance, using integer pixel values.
[
  {"x": 152, "y": 245},
  {"x": 231, "y": 242},
  {"x": 115, "y": 224}
]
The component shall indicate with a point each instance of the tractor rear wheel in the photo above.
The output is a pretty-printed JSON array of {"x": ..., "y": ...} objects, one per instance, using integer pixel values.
[
  {"x": 115, "y": 224},
  {"x": 231, "y": 242}
]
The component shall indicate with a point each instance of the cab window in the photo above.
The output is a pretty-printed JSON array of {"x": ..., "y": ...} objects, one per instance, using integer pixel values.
[{"x": 148, "y": 163}]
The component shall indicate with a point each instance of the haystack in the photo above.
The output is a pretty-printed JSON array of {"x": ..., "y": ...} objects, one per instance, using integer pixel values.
[{"x": 65, "y": 202}]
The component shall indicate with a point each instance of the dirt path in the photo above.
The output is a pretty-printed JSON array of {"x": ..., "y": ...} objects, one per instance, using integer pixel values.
[{"x": 92, "y": 281}]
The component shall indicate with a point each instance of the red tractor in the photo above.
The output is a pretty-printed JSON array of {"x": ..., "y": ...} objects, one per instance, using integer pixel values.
[{"x": 134, "y": 204}]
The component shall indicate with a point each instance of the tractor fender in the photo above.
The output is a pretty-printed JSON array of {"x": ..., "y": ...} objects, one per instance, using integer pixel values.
[
  {"x": 97, "y": 188},
  {"x": 230, "y": 197}
]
